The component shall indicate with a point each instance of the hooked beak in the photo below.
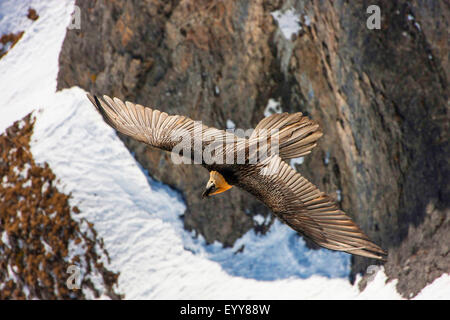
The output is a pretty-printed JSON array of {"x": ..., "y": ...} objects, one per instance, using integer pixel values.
[{"x": 209, "y": 189}]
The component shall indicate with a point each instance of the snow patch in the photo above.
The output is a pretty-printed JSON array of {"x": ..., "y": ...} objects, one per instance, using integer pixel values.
[
  {"x": 296, "y": 161},
  {"x": 272, "y": 107},
  {"x": 231, "y": 124},
  {"x": 339, "y": 195},
  {"x": 32, "y": 64},
  {"x": 259, "y": 219},
  {"x": 417, "y": 25},
  {"x": 438, "y": 289},
  {"x": 326, "y": 159},
  {"x": 288, "y": 22},
  {"x": 307, "y": 20}
]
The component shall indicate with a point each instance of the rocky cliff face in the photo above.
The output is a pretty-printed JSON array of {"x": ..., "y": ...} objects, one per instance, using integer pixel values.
[{"x": 381, "y": 97}]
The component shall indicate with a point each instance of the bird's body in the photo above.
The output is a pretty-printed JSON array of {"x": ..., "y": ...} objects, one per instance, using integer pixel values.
[{"x": 238, "y": 161}]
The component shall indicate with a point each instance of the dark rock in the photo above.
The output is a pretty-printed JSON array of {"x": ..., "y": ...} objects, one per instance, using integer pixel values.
[{"x": 32, "y": 14}]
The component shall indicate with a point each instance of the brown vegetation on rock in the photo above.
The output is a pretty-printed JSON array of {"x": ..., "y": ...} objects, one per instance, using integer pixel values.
[
  {"x": 32, "y": 14},
  {"x": 37, "y": 231},
  {"x": 8, "y": 41}
]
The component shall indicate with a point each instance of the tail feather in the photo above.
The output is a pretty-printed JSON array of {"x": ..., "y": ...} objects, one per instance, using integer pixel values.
[{"x": 297, "y": 134}]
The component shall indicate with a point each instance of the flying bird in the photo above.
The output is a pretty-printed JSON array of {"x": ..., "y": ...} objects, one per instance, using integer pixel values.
[{"x": 291, "y": 197}]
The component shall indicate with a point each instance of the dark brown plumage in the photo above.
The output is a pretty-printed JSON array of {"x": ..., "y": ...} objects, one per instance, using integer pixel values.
[{"x": 291, "y": 197}]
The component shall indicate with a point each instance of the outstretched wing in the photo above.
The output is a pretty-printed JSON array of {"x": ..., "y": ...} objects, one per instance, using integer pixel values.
[
  {"x": 157, "y": 128},
  {"x": 306, "y": 209}
]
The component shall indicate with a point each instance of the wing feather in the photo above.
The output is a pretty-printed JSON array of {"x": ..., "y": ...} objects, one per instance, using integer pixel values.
[
  {"x": 154, "y": 127},
  {"x": 306, "y": 209}
]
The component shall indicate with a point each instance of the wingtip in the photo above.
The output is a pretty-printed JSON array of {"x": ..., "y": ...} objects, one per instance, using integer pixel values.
[
  {"x": 90, "y": 97},
  {"x": 378, "y": 254},
  {"x": 93, "y": 99},
  {"x": 100, "y": 108},
  {"x": 384, "y": 256}
]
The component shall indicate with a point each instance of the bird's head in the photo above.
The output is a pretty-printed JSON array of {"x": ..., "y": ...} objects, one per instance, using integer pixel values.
[{"x": 216, "y": 184}]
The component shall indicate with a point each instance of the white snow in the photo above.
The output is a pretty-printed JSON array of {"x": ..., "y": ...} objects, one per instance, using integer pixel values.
[
  {"x": 137, "y": 217},
  {"x": 4, "y": 238},
  {"x": 272, "y": 107},
  {"x": 47, "y": 248},
  {"x": 288, "y": 22},
  {"x": 259, "y": 219},
  {"x": 417, "y": 25},
  {"x": 307, "y": 20},
  {"x": 438, "y": 289},
  {"x": 339, "y": 195},
  {"x": 296, "y": 161},
  {"x": 326, "y": 159},
  {"x": 231, "y": 124},
  {"x": 28, "y": 71}
]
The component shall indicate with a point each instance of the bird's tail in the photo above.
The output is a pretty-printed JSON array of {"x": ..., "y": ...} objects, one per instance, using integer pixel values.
[{"x": 297, "y": 135}]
